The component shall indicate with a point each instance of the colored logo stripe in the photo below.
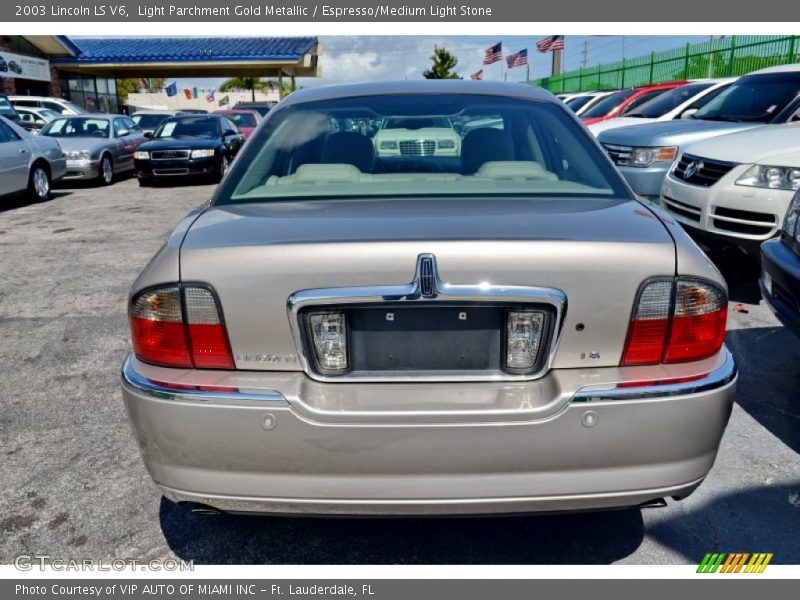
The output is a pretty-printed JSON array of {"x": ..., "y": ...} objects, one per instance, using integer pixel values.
[{"x": 734, "y": 562}]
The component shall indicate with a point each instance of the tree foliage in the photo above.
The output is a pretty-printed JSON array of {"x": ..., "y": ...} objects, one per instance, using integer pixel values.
[
  {"x": 444, "y": 63},
  {"x": 134, "y": 85}
]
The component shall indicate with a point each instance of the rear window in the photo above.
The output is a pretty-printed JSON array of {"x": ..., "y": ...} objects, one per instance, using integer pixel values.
[
  {"x": 575, "y": 104},
  {"x": 242, "y": 119},
  {"x": 188, "y": 128},
  {"x": 668, "y": 100},
  {"x": 149, "y": 121},
  {"x": 607, "y": 104},
  {"x": 420, "y": 145}
]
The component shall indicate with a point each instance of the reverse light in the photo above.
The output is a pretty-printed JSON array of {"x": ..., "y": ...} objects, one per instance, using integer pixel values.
[
  {"x": 141, "y": 155},
  {"x": 523, "y": 339},
  {"x": 644, "y": 157},
  {"x": 329, "y": 338},
  {"x": 777, "y": 178},
  {"x": 676, "y": 320},
  {"x": 204, "y": 153},
  {"x": 179, "y": 326}
]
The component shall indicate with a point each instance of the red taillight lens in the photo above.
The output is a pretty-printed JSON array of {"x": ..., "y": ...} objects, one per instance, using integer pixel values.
[
  {"x": 698, "y": 326},
  {"x": 157, "y": 329},
  {"x": 207, "y": 336},
  {"x": 164, "y": 334},
  {"x": 648, "y": 329},
  {"x": 676, "y": 321}
]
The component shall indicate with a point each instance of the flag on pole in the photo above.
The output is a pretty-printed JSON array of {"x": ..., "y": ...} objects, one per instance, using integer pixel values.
[
  {"x": 194, "y": 92},
  {"x": 519, "y": 59},
  {"x": 172, "y": 89},
  {"x": 188, "y": 93},
  {"x": 225, "y": 100},
  {"x": 551, "y": 43},
  {"x": 477, "y": 75},
  {"x": 145, "y": 84},
  {"x": 210, "y": 96},
  {"x": 493, "y": 54}
]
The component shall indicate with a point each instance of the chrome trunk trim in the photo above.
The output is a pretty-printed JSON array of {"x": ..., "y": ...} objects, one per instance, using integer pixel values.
[{"x": 420, "y": 290}]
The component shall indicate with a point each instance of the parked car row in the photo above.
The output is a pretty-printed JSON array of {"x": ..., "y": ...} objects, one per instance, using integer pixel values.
[{"x": 97, "y": 147}]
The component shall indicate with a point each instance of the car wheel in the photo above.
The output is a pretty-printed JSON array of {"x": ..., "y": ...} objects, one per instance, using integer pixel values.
[
  {"x": 224, "y": 163},
  {"x": 106, "y": 176},
  {"x": 39, "y": 183}
]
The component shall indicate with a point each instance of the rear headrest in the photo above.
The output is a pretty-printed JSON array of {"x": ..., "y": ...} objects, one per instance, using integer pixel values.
[
  {"x": 347, "y": 147},
  {"x": 484, "y": 145}
]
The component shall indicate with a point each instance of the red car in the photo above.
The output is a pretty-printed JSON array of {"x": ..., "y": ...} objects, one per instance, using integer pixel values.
[
  {"x": 621, "y": 102},
  {"x": 244, "y": 118}
]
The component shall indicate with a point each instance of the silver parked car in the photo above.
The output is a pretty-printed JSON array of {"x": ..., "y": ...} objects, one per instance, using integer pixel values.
[
  {"x": 28, "y": 163},
  {"x": 645, "y": 153},
  {"x": 345, "y": 332},
  {"x": 98, "y": 146}
]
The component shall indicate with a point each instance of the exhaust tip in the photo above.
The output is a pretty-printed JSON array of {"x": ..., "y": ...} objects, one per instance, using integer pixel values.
[
  {"x": 655, "y": 503},
  {"x": 202, "y": 509}
]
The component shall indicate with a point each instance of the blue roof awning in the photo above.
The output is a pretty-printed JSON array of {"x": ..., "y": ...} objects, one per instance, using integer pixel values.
[{"x": 188, "y": 55}]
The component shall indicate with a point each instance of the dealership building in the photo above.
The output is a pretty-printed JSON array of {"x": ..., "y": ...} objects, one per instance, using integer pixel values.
[{"x": 85, "y": 70}]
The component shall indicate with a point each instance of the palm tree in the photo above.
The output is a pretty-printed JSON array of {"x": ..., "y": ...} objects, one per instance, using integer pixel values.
[{"x": 245, "y": 83}]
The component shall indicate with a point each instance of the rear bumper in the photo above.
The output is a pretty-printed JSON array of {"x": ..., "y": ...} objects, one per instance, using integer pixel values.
[
  {"x": 281, "y": 443},
  {"x": 780, "y": 266}
]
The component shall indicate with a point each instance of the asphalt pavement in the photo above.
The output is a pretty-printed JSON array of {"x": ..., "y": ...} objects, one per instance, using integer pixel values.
[{"x": 74, "y": 486}]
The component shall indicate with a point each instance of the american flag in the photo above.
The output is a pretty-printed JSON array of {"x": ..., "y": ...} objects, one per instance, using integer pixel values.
[
  {"x": 493, "y": 54},
  {"x": 477, "y": 75},
  {"x": 551, "y": 43},
  {"x": 519, "y": 59}
]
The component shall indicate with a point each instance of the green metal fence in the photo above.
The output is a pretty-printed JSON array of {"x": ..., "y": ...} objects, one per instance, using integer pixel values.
[{"x": 727, "y": 56}]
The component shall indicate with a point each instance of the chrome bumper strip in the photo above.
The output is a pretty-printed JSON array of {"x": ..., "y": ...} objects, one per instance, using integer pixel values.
[{"x": 717, "y": 378}]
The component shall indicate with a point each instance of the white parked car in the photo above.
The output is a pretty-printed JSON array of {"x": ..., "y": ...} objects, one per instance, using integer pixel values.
[
  {"x": 64, "y": 107},
  {"x": 412, "y": 136},
  {"x": 735, "y": 189},
  {"x": 680, "y": 103}
]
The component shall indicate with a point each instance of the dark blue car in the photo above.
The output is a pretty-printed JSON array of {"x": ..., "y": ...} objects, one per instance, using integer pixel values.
[{"x": 780, "y": 269}]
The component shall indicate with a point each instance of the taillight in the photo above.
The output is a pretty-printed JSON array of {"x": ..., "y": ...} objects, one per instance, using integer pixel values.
[
  {"x": 179, "y": 326},
  {"x": 676, "y": 320}
]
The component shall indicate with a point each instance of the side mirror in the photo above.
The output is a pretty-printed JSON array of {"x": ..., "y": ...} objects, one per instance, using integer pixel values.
[
  {"x": 148, "y": 134},
  {"x": 688, "y": 113},
  {"x": 40, "y": 122},
  {"x": 229, "y": 132},
  {"x": 123, "y": 132}
]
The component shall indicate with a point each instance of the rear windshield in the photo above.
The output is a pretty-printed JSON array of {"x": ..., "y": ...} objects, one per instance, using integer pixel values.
[
  {"x": 575, "y": 104},
  {"x": 242, "y": 119},
  {"x": 420, "y": 145},
  {"x": 77, "y": 127},
  {"x": 753, "y": 99},
  {"x": 149, "y": 121},
  {"x": 663, "y": 103},
  {"x": 188, "y": 128},
  {"x": 607, "y": 104}
]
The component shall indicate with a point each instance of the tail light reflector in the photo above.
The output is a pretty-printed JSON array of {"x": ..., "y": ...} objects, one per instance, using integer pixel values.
[
  {"x": 676, "y": 321},
  {"x": 179, "y": 326}
]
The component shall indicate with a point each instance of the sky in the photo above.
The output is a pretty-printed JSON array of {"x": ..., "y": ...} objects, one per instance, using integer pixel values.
[{"x": 376, "y": 58}]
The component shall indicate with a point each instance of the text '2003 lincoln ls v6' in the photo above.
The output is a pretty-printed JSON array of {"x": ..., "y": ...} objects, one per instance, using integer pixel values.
[{"x": 503, "y": 329}]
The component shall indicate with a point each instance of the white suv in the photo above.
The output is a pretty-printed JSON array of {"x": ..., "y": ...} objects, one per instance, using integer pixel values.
[{"x": 61, "y": 106}]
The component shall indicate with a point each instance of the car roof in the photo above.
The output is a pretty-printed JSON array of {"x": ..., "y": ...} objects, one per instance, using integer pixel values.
[
  {"x": 51, "y": 98},
  {"x": 778, "y": 69},
  {"x": 423, "y": 86},
  {"x": 155, "y": 112},
  {"x": 91, "y": 116}
]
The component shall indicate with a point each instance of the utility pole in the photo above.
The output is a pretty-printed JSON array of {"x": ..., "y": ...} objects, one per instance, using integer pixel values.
[
  {"x": 711, "y": 57},
  {"x": 585, "y": 59}
]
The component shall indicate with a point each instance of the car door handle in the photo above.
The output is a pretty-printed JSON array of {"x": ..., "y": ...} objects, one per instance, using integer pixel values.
[{"x": 22, "y": 151}]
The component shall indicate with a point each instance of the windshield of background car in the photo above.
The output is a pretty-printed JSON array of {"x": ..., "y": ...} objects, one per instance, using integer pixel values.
[
  {"x": 575, "y": 104},
  {"x": 663, "y": 103},
  {"x": 75, "y": 127},
  {"x": 503, "y": 147},
  {"x": 242, "y": 119},
  {"x": 755, "y": 98},
  {"x": 607, "y": 104},
  {"x": 149, "y": 121},
  {"x": 191, "y": 128},
  {"x": 7, "y": 109}
]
